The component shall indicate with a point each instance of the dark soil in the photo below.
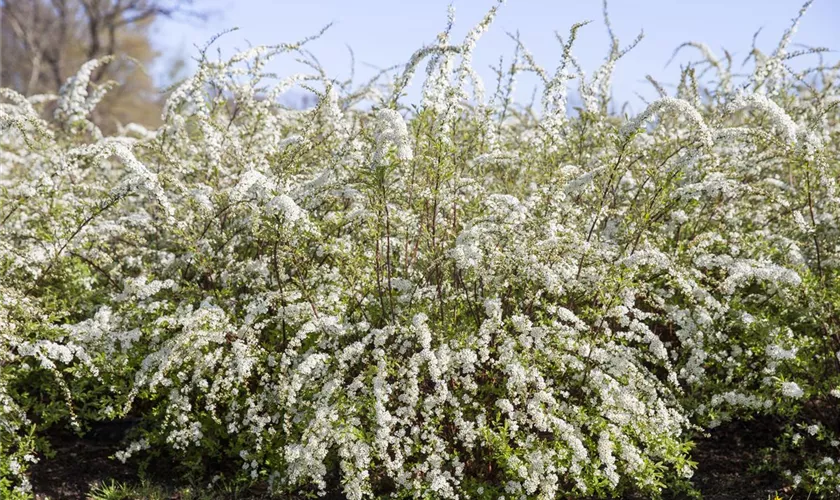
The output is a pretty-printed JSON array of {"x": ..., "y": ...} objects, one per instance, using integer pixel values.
[
  {"x": 725, "y": 471},
  {"x": 727, "y": 458},
  {"x": 78, "y": 464},
  {"x": 81, "y": 463}
]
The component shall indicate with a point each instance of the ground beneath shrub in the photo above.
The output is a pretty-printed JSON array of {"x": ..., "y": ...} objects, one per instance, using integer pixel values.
[
  {"x": 78, "y": 465},
  {"x": 725, "y": 465},
  {"x": 726, "y": 458}
]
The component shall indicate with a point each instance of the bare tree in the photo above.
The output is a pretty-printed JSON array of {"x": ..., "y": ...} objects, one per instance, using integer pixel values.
[{"x": 45, "y": 41}]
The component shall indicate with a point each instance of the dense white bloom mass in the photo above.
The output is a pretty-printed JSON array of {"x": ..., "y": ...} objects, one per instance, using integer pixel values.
[
  {"x": 462, "y": 298},
  {"x": 791, "y": 390},
  {"x": 391, "y": 130}
]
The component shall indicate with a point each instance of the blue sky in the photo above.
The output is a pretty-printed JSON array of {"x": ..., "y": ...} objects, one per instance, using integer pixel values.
[{"x": 383, "y": 33}]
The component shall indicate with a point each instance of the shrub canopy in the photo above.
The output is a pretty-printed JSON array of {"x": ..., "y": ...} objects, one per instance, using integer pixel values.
[{"x": 459, "y": 298}]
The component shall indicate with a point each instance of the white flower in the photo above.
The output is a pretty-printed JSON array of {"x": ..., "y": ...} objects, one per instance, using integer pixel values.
[
  {"x": 791, "y": 390},
  {"x": 391, "y": 131},
  {"x": 682, "y": 107},
  {"x": 777, "y": 115},
  {"x": 776, "y": 352}
]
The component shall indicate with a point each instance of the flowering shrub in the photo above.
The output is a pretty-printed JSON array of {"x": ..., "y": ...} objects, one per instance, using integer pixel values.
[{"x": 461, "y": 298}]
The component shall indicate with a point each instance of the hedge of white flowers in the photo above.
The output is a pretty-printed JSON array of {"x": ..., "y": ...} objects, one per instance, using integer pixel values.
[{"x": 462, "y": 298}]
